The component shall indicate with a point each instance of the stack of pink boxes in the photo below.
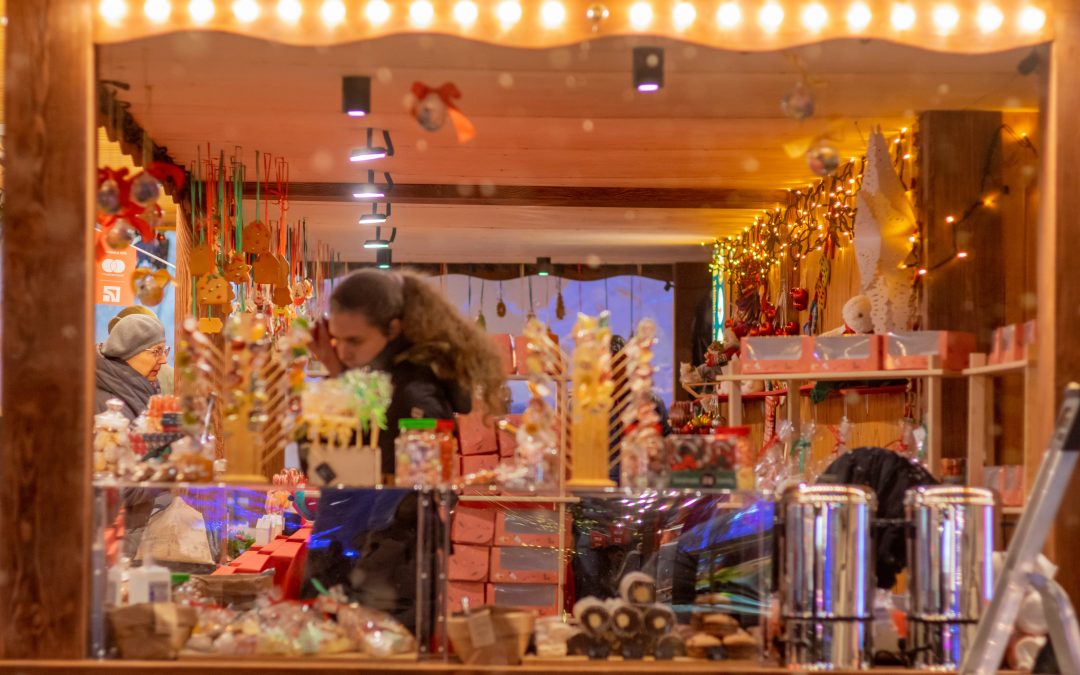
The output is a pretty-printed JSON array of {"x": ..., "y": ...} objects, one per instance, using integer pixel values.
[{"x": 504, "y": 553}]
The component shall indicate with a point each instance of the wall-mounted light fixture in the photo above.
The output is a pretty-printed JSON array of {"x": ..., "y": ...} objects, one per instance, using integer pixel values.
[
  {"x": 543, "y": 266},
  {"x": 356, "y": 95},
  {"x": 372, "y": 190},
  {"x": 383, "y": 258},
  {"x": 378, "y": 241},
  {"x": 648, "y": 69},
  {"x": 375, "y": 218},
  {"x": 371, "y": 151}
]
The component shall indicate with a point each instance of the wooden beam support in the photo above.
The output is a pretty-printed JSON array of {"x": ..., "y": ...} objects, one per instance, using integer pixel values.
[
  {"x": 542, "y": 195},
  {"x": 506, "y": 271},
  {"x": 693, "y": 318},
  {"x": 1058, "y": 285},
  {"x": 48, "y": 366}
]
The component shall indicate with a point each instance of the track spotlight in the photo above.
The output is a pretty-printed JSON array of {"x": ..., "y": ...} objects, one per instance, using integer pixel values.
[
  {"x": 648, "y": 68},
  {"x": 356, "y": 95},
  {"x": 383, "y": 257},
  {"x": 378, "y": 241},
  {"x": 375, "y": 218},
  {"x": 543, "y": 266},
  {"x": 370, "y": 151},
  {"x": 371, "y": 190}
]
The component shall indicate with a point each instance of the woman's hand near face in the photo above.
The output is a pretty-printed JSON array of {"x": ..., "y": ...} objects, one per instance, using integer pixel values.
[{"x": 322, "y": 345}]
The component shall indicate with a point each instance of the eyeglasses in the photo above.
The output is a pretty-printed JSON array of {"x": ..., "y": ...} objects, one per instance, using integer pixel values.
[{"x": 161, "y": 352}]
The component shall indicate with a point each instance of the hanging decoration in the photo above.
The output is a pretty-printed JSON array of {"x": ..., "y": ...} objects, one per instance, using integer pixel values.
[
  {"x": 480, "y": 320},
  {"x": 127, "y": 206},
  {"x": 884, "y": 220},
  {"x": 149, "y": 285},
  {"x": 431, "y": 106},
  {"x": 822, "y": 157},
  {"x": 798, "y": 104},
  {"x": 560, "y": 304},
  {"x": 500, "y": 309}
]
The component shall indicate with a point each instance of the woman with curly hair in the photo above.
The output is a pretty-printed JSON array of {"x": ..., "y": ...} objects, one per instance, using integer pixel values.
[{"x": 395, "y": 322}]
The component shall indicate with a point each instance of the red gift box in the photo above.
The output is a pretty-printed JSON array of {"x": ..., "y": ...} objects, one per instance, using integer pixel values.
[
  {"x": 842, "y": 353},
  {"x": 477, "y": 435},
  {"x": 507, "y": 439},
  {"x": 776, "y": 354},
  {"x": 527, "y": 526},
  {"x": 456, "y": 591},
  {"x": 469, "y": 563},
  {"x": 525, "y": 564},
  {"x": 473, "y": 526},
  {"x": 914, "y": 350},
  {"x": 539, "y": 598},
  {"x": 504, "y": 345},
  {"x": 476, "y": 463}
]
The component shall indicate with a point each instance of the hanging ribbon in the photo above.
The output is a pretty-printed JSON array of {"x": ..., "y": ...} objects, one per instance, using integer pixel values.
[{"x": 465, "y": 129}]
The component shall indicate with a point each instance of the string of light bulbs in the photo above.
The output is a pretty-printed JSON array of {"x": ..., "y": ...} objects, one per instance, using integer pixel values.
[{"x": 770, "y": 16}]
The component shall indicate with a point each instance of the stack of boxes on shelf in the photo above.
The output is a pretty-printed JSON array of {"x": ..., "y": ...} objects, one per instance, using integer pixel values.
[
  {"x": 285, "y": 555},
  {"x": 1011, "y": 342},
  {"x": 901, "y": 350},
  {"x": 503, "y": 553}
]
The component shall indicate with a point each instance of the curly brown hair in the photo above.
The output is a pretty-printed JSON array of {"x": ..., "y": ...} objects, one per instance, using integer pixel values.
[{"x": 455, "y": 348}]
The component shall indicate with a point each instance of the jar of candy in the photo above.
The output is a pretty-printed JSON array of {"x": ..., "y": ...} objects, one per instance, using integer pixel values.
[
  {"x": 423, "y": 452},
  {"x": 111, "y": 445}
]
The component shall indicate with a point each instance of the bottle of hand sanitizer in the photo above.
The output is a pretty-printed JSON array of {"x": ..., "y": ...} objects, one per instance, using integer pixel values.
[{"x": 149, "y": 583}]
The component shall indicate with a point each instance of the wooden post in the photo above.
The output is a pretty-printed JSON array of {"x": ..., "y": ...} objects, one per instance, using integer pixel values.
[
  {"x": 1058, "y": 284},
  {"x": 48, "y": 366},
  {"x": 693, "y": 285}
]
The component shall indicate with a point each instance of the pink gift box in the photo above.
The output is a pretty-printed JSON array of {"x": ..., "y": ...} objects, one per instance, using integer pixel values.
[
  {"x": 477, "y": 463},
  {"x": 504, "y": 344},
  {"x": 913, "y": 350},
  {"x": 1008, "y": 344},
  {"x": 469, "y": 563},
  {"x": 776, "y": 354},
  {"x": 527, "y": 526},
  {"x": 539, "y": 598},
  {"x": 507, "y": 440},
  {"x": 525, "y": 564},
  {"x": 473, "y": 526},
  {"x": 477, "y": 435},
  {"x": 846, "y": 353},
  {"x": 456, "y": 591}
]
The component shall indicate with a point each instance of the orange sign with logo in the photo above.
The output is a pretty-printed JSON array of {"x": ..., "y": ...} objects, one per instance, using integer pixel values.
[{"x": 113, "y": 277}]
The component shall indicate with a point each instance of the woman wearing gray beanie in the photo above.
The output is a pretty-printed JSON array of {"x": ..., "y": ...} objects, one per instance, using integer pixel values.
[{"x": 128, "y": 363}]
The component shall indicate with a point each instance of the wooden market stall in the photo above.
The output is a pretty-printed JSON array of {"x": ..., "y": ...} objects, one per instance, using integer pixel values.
[{"x": 52, "y": 51}]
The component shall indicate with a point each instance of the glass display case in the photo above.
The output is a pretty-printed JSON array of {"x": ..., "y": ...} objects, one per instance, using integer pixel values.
[{"x": 235, "y": 570}]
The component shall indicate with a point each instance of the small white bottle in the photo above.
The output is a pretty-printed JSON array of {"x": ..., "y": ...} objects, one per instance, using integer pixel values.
[
  {"x": 149, "y": 583},
  {"x": 114, "y": 583}
]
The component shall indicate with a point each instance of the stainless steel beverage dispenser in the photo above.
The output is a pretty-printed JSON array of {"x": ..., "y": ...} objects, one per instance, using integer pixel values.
[
  {"x": 950, "y": 582},
  {"x": 826, "y": 576}
]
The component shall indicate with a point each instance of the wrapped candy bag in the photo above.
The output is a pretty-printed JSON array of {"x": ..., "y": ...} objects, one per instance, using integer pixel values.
[
  {"x": 775, "y": 466},
  {"x": 112, "y": 447},
  {"x": 640, "y": 456}
]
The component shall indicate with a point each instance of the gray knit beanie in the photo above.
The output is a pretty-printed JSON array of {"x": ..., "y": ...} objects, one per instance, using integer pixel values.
[{"x": 132, "y": 335}]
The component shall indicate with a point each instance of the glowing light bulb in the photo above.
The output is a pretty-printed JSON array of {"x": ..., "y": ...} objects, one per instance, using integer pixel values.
[
  {"x": 1032, "y": 19},
  {"x": 466, "y": 12},
  {"x": 950, "y": 219},
  {"x": 683, "y": 15},
  {"x": 508, "y": 12},
  {"x": 552, "y": 14},
  {"x": 989, "y": 18},
  {"x": 961, "y": 254},
  {"x": 814, "y": 17},
  {"x": 201, "y": 11},
  {"x": 859, "y": 16},
  {"x": 771, "y": 16},
  {"x": 289, "y": 10},
  {"x": 377, "y": 12},
  {"x": 903, "y": 17},
  {"x": 729, "y": 15},
  {"x": 945, "y": 18},
  {"x": 158, "y": 11},
  {"x": 113, "y": 11},
  {"x": 245, "y": 11},
  {"x": 641, "y": 15},
  {"x": 421, "y": 13},
  {"x": 332, "y": 12}
]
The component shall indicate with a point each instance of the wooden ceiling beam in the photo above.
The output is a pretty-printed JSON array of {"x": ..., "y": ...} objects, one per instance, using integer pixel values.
[{"x": 543, "y": 195}]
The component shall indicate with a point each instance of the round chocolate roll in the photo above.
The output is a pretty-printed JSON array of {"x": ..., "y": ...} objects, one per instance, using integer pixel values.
[
  {"x": 659, "y": 620},
  {"x": 626, "y": 621},
  {"x": 593, "y": 615}
]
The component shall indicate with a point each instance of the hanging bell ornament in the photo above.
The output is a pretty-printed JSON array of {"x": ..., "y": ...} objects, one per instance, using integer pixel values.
[
  {"x": 431, "y": 112},
  {"x": 481, "y": 322},
  {"x": 596, "y": 14},
  {"x": 108, "y": 197},
  {"x": 798, "y": 104},
  {"x": 145, "y": 190},
  {"x": 560, "y": 307},
  {"x": 822, "y": 158},
  {"x": 121, "y": 235},
  {"x": 500, "y": 309}
]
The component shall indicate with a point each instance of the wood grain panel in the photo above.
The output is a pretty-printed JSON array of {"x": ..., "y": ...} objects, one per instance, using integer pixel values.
[{"x": 48, "y": 336}]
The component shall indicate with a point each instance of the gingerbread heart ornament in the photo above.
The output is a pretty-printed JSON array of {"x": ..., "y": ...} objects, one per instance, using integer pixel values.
[{"x": 256, "y": 237}]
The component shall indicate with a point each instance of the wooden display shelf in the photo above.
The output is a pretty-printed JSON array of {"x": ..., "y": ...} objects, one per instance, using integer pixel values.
[
  {"x": 833, "y": 375},
  {"x": 520, "y": 499},
  {"x": 316, "y": 666},
  {"x": 998, "y": 368}
]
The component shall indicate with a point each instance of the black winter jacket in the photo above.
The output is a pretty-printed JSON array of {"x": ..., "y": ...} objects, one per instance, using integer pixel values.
[{"x": 116, "y": 379}]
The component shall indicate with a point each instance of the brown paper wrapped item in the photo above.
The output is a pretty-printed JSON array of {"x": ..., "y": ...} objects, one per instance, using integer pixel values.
[
  {"x": 151, "y": 631},
  {"x": 238, "y": 591}
]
